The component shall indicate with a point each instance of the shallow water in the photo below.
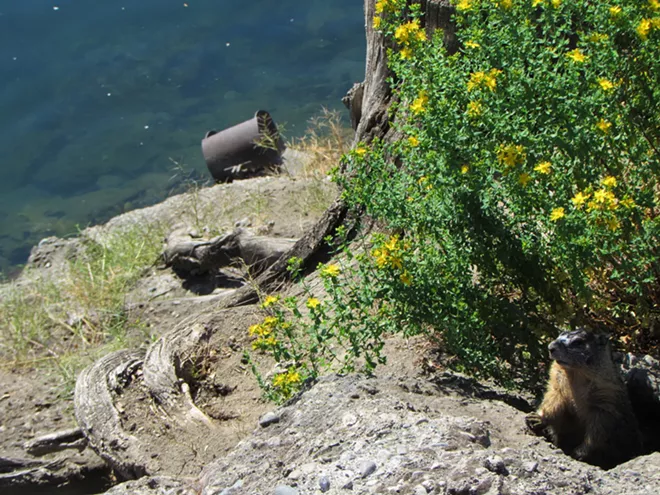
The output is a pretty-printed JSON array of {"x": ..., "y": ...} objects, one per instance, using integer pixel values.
[{"x": 103, "y": 103}]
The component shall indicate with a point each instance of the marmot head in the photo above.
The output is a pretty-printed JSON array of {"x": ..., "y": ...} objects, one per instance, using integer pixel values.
[{"x": 579, "y": 348}]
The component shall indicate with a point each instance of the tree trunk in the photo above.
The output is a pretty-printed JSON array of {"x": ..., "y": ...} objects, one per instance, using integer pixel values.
[{"x": 369, "y": 104}]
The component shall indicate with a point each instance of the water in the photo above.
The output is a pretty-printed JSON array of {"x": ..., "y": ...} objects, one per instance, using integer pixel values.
[{"x": 103, "y": 103}]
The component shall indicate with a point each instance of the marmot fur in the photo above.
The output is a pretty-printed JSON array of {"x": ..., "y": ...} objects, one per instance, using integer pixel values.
[{"x": 586, "y": 410}]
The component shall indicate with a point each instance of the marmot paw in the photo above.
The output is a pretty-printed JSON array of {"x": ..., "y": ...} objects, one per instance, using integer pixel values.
[{"x": 535, "y": 423}]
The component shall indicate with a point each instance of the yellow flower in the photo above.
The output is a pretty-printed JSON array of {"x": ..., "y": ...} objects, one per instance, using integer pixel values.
[
  {"x": 255, "y": 330},
  {"x": 406, "y": 53},
  {"x": 579, "y": 199},
  {"x": 283, "y": 380},
  {"x": 557, "y": 214},
  {"x": 408, "y": 32},
  {"x": 420, "y": 35},
  {"x": 612, "y": 223},
  {"x": 381, "y": 258},
  {"x": 506, "y": 4},
  {"x": 406, "y": 278},
  {"x": 377, "y": 21},
  {"x": 556, "y": 3},
  {"x": 482, "y": 79},
  {"x": 606, "y": 84},
  {"x": 472, "y": 44},
  {"x": 654, "y": 4},
  {"x": 419, "y": 105},
  {"x": 543, "y": 168},
  {"x": 331, "y": 271},
  {"x": 269, "y": 301},
  {"x": 604, "y": 125},
  {"x": 393, "y": 243},
  {"x": 313, "y": 303},
  {"x": 524, "y": 179},
  {"x": 270, "y": 321},
  {"x": 609, "y": 181},
  {"x": 464, "y": 5},
  {"x": 604, "y": 198},
  {"x": 465, "y": 169},
  {"x": 360, "y": 151},
  {"x": 615, "y": 11},
  {"x": 395, "y": 262},
  {"x": 577, "y": 56},
  {"x": 536, "y": 3},
  {"x": 511, "y": 155},
  {"x": 413, "y": 141},
  {"x": 474, "y": 109},
  {"x": 476, "y": 79},
  {"x": 644, "y": 28},
  {"x": 381, "y": 5},
  {"x": 628, "y": 202},
  {"x": 597, "y": 37}
]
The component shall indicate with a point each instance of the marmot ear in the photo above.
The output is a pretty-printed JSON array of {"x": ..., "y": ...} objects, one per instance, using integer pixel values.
[{"x": 602, "y": 338}]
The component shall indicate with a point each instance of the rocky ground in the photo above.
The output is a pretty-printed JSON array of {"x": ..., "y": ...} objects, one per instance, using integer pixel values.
[
  {"x": 34, "y": 402},
  {"x": 400, "y": 435},
  {"x": 413, "y": 429}
]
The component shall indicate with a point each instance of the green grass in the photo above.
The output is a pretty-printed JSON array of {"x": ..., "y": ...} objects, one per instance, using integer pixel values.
[{"x": 68, "y": 322}]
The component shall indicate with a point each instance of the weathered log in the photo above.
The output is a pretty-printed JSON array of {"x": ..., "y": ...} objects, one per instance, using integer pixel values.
[
  {"x": 98, "y": 417},
  {"x": 195, "y": 257},
  {"x": 27, "y": 472},
  {"x": 162, "y": 371},
  {"x": 72, "y": 438}
]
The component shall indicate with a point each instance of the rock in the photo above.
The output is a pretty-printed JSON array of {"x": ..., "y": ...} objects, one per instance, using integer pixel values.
[
  {"x": 439, "y": 458},
  {"x": 366, "y": 468},
  {"x": 285, "y": 490},
  {"x": 324, "y": 484},
  {"x": 496, "y": 465},
  {"x": 268, "y": 419},
  {"x": 234, "y": 489}
]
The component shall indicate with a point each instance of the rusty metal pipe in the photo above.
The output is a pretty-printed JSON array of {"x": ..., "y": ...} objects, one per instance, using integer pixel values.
[{"x": 244, "y": 150}]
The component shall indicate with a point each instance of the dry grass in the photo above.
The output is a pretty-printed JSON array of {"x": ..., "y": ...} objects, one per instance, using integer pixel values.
[{"x": 327, "y": 138}]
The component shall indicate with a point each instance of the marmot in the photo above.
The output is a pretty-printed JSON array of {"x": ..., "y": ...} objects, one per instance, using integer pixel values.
[{"x": 586, "y": 410}]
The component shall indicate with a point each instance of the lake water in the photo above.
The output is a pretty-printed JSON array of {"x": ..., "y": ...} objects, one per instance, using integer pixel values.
[{"x": 103, "y": 103}]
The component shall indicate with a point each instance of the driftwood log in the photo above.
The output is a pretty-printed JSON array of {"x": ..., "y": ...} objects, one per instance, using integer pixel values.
[
  {"x": 163, "y": 367},
  {"x": 97, "y": 414},
  {"x": 197, "y": 257}
]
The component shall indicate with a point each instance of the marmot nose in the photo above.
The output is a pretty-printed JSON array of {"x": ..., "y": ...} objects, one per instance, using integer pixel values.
[{"x": 553, "y": 346}]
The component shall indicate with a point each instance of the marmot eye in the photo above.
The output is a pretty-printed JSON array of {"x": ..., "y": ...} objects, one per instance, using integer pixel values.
[{"x": 578, "y": 342}]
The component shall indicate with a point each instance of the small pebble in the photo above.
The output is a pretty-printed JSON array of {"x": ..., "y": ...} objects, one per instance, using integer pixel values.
[
  {"x": 348, "y": 486},
  {"x": 496, "y": 464},
  {"x": 324, "y": 484},
  {"x": 268, "y": 419},
  {"x": 285, "y": 490},
  {"x": 232, "y": 489},
  {"x": 530, "y": 466},
  {"x": 429, "y": 485},
  {"x": 366, "y": 468},
  {"x": 420, "y": 490}
]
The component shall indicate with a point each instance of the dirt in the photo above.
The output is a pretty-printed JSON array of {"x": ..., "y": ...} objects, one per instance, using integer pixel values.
[{"x": 224, "y": 389}]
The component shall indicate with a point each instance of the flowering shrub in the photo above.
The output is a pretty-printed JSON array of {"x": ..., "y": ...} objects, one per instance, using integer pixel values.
[
  {"x": 527, "y": 188},
  {"x": 524, "y": 192}
]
